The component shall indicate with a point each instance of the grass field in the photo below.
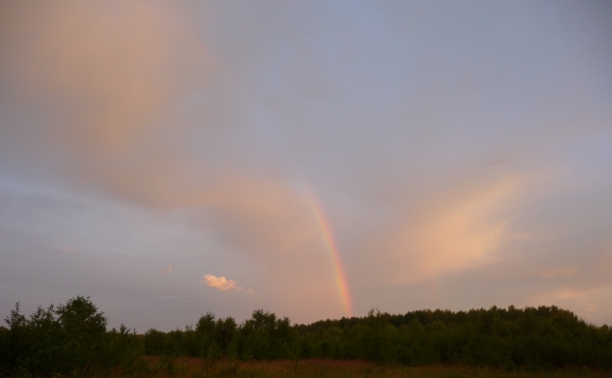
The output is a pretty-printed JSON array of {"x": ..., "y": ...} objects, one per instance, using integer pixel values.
[{"x": 193, "y": 368}]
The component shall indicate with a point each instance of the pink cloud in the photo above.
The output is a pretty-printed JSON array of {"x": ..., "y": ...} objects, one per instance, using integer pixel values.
[{"x": 220, "y": 283}]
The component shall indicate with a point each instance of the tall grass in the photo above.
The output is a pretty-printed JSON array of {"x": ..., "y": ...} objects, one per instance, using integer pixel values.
[{"x": 317, "y": 368}]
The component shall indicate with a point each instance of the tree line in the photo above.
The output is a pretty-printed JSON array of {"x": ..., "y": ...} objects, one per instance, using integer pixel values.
[{"x": 73, "y": 338}]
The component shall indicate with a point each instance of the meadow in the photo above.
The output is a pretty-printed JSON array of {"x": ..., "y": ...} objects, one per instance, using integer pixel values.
[{"x": 321, "y": 368}]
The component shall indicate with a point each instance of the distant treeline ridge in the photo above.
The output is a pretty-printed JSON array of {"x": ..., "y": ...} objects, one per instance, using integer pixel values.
[{"x": 73, "y": 338}]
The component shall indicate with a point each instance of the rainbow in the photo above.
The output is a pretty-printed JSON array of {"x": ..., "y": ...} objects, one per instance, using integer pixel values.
[
  {"x": 172, "y": 24},
  {"x": 341, "y": 280}
]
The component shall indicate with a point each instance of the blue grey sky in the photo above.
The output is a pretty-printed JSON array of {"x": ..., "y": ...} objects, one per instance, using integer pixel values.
[{"x": 170, "y": 159}]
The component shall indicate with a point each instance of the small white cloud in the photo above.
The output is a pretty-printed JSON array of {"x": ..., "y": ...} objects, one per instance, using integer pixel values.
[
  {"x": 166, "y": 270},
  {"x": 220, "y": 283}
]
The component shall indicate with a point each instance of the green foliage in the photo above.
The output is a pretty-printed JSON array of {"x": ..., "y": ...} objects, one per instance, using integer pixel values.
[
  {"x": 535, "y": 337},
  {"x": 72, "y": 339},
  {"x": 264, "y": 337},
  {"x": 154, "y": 342}
]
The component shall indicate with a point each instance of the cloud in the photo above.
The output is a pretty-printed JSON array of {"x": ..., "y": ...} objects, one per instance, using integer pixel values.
[
  {"x": 465, "y": 231},
  {"x": 220, "y": 283},
  {"x": 119, "y": 100},
  {"x": 457, "y": 227},
  {"x": 223, "y": 284},
  {"x": 102, "y": 85},
  {"x": 123, "y": 103}
]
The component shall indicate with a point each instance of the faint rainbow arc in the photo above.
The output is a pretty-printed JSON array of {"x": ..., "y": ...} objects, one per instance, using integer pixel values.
[
  {"x": 341, "y": 281},
  {"x": 174, "y": 25}
]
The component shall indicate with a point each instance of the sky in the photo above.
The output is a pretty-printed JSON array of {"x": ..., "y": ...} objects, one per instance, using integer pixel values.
[{"x": 314, "y": 159}]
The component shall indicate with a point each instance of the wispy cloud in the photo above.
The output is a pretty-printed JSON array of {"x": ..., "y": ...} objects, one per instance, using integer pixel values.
[{"x": 119, "y": 62}]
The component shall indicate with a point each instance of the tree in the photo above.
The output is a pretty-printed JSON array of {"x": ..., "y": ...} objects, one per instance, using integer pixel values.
[
  {"x": 80, "y": 317},
  {"x": 84, "y": 331}
]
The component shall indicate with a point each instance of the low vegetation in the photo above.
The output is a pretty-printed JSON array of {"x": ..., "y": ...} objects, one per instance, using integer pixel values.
[{"x": 72, "y": 339}]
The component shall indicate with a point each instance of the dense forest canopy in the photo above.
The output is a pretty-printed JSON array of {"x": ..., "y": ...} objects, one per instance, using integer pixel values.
[{"x": 73, "y": 338}]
